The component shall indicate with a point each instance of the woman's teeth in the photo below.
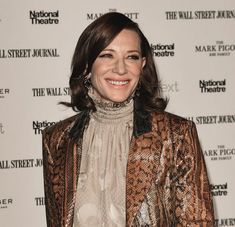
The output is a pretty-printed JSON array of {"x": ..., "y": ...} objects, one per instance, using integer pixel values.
[{"x": 115, "y": 82}]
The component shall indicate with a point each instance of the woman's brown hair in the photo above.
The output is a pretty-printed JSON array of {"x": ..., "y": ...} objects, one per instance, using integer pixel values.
[{"x": 96, "y": 37}]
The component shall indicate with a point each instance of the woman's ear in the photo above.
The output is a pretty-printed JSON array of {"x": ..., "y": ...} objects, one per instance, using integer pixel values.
[{"x": 143, "y": 62}]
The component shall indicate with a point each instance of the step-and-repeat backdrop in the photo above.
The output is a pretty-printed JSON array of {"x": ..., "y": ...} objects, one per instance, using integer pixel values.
[{"x": 193, "y": 43}]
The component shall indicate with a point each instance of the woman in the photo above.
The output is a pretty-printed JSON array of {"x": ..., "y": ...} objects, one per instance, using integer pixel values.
[{"x": 122, "y": 160}]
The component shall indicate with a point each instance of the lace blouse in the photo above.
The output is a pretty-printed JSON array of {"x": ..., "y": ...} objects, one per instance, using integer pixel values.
[{"x": 101, "y": 192}]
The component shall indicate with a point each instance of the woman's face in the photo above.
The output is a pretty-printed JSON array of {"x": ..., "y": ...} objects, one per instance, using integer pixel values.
[{"x": 116, "y": 71}]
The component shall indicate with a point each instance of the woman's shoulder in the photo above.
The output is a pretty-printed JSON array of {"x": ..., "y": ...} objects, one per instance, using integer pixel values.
[
  {"x": 169, "y": 116},
  {"x": 175, "y": 122},
  {"x": 59, "y": 127}
]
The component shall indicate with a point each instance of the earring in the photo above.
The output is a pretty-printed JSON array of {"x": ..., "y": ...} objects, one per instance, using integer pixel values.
[{"x": 87, "y": 81}]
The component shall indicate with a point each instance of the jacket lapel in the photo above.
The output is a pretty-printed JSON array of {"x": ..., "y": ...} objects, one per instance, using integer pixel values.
[
  {"x": 72, "y": 166},
  {"x": 71, "y": 173},
  {"x": 143, "y": 161}
]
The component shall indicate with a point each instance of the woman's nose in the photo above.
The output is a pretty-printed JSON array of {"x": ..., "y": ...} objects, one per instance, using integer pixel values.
[{"x": 120, "y": 67}]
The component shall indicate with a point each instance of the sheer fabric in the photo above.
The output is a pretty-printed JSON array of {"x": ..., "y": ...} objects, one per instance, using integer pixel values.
[{"x": 101, "y": 192}]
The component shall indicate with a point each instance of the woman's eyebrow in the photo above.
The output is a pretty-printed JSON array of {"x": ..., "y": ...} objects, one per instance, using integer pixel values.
[
  {"x": 108, "y": 50},
  {"x": 129, "y": 51}
]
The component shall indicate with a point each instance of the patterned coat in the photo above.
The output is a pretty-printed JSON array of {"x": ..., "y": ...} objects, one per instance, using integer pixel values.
[{"x": 166, "y": 179}]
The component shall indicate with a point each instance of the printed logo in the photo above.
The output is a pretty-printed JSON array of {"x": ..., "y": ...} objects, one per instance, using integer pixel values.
[
  {"x": 38, "y": 126},
  {"x": 20, "y": 163},
  {"x": 5, "y": 203},
  {"x": 4, "y": 92},
  {"x": 221, "y": 153},
  {"x": 220, "y": 48},
  {"x": 163, "y": 50},
  {"x": 213, "y": 119},
  {"x": 219, "y": 189},
  {"x": 52, "y": 91},
  {"x": 2, "y": 131},
  {"x": 29, "y": 53},
  {"x": 225, "y": 222},
  {"x": 44, "y": 17},
  {"x": 94, "y": 16},
  {"x": 40, "y": 201},
  {"x": 200, "y": 15},
  {"x": 212, "y": 86},
  {"x": 170, "y": 87}
]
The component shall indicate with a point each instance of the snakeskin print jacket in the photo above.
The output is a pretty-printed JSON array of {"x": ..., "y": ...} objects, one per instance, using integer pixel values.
[{"x": 166, "y": 179}]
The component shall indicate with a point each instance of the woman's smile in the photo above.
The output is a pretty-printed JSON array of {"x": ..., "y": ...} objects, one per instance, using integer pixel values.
[{"x": 118, "y": 83}]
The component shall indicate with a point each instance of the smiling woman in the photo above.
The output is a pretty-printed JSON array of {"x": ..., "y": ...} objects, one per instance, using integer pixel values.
[
  {"x": 116, "y": 70},
  {"x": 122, "y": 160}
]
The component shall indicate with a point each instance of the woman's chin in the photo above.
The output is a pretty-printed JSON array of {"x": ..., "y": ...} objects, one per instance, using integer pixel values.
[
  {"x": 117, "y": 96},
  {"x": 118, "y": 99}
]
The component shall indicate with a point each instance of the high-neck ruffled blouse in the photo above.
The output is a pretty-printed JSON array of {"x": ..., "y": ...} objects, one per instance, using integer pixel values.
[{"x": 101, "y": 193}]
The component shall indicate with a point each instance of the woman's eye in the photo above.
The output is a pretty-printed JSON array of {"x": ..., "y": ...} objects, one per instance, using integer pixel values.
[
  {"x": 134, "y": 57},
  {"x": 105, "y": 55}
]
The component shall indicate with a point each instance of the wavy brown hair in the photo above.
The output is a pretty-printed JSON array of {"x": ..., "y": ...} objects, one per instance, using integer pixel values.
[{"x": 96, "y": 37}]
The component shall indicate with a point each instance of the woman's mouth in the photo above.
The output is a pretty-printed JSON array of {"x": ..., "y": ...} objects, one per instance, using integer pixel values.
[{"x": 118, "y": 82}]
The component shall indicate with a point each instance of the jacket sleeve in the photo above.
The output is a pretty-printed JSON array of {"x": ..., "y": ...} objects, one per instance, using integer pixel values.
[
  {"x": 48, "y": 173},
  {"x": 193, "y": 201}
]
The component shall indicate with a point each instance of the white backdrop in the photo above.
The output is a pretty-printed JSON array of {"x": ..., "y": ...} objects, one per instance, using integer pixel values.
[{"x": 194, "y": 49}]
